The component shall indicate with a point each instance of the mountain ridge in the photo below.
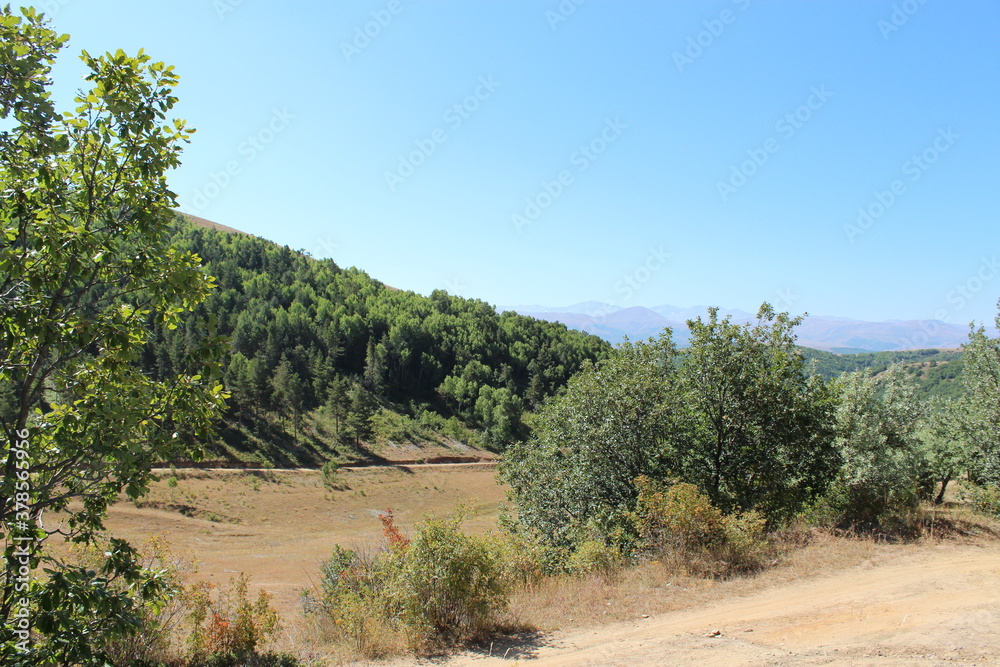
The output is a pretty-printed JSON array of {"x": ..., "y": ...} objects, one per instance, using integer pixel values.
[{"x": 828, "y": 333}]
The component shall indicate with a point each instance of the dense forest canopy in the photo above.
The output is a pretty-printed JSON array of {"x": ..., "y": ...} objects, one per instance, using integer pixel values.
[{"x": 308, "y": 335}]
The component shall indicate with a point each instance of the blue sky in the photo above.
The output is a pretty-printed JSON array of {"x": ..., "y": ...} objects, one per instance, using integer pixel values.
[{"x": 836, "y": 158}]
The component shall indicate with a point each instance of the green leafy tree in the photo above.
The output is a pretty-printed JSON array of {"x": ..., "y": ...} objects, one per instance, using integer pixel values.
[
  {"x": 756, "y": 426},
  {"x": 877, "y": 440},
  {"x": 615, "y": 422},
  {"x": 982, "y": 381},
  {"x": 85, "y": 270},
  {"x": 735, "y": 415},
  {"x": 288, "y": 392},
  {"x": 945, "y": 437},
  {"x": 361, "y": 408},
  {"x": 499, "y": 412}
]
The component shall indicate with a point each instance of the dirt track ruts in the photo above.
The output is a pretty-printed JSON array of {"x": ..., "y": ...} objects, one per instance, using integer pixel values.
[{"x": 937, "y": 604}]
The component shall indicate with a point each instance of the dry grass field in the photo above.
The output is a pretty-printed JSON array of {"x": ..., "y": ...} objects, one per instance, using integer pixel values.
[
  {"x": 278, "y": 526},
  {"x": 825, "y": 599}
]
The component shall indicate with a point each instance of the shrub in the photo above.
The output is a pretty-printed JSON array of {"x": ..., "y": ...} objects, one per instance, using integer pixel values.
[
  {"x": 331, "y": 479},
  {"x": 679, "y": 518},
  {"x": 157, "y": 611},
  {"x": 595, "y": 557},
  {"x": 681, "y": 526},
  {"x": 454, "y": 583},
  {"x": 441, "y": 585},
  {"x": 984, "y": 499},
  {"x": 230, "y": 627},
  {"x": 745, "y": 547},
  {"x": 881, "y": 463}
]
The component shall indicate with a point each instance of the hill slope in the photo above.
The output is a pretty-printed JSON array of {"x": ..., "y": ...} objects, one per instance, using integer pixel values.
[{"x": 325, "y": 362}]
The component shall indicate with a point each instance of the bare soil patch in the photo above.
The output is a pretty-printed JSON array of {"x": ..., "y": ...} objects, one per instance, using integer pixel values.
[{"x": 930, "y": 603}]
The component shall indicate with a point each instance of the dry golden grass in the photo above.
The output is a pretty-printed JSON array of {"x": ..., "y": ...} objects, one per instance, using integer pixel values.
[{"x": 277, "y": 527}]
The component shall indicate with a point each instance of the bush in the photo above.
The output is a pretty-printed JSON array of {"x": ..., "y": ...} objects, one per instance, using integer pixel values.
[
  {"x": 881, "y": 461},
  {"x": 441, "y": 586},
  {"x": 455, "y": 583},
  {"x": 680, "y": 525},
  {"x": 229, "y": 628},
  {"x": 984, "y": 499},
  {"x": 595, "y": 557},
  {"x": 157, "y": 608},
  {"x": 331, "y": 479}
]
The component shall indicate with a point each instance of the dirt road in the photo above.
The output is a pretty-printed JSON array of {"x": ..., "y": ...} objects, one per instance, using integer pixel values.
[{"x": 939, "y": 604}]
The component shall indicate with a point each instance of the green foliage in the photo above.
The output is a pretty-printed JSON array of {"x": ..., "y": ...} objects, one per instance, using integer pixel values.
[
  {"x": 944, "y": 437},
  {"x": 308, "y": 335},
  {"x": 442, "y": 585},
  {"x": 594, "y": 556},
  {"x": 982, "y": 380},
  {"x": 985, "y": 499},
  {"x": 831, "y": 366},
  {"x": 160, "y": 615},
  {"x": 881, "y": 462},
  {"x": 454, "y": 583},
  {"x": 616, "y": 421},
  {"x": 86, "y": 271},
  {"x": 680, "y": 518},
  {"x": 756, "y": 433},
  {"x": 331, "y": 479},
  {"x": 734, "y": 415}
]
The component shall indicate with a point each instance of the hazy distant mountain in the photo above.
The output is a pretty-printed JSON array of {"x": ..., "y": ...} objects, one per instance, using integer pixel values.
[
  {"x": 594, "y": 308},
  {"x": 682, "y": 315},
  {"x": 834, "y": 334}
]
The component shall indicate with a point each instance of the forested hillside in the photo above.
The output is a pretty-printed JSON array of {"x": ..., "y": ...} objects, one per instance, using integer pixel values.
[
  {"x": 323, "y": 359},
  {"x": 934, "y": 372}
]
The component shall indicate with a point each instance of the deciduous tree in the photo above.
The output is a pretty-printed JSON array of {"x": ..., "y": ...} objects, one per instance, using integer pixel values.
[{"x": 84, "y": 272}]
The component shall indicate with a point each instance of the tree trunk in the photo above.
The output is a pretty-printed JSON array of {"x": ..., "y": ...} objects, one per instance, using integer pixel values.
[{"x": 944, "y": 485}]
